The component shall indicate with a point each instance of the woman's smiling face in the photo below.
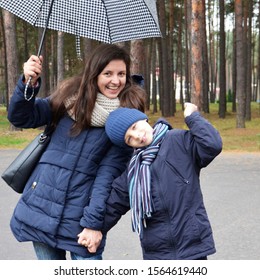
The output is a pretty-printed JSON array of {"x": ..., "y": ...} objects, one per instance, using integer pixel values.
[{"x": 112, "y": 79}]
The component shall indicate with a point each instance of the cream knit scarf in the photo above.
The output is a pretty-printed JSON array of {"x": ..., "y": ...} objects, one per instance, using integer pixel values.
[{"x": 102, "y": 108}]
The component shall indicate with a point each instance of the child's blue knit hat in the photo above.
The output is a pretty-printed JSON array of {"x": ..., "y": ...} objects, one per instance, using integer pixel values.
[{"x": 119, "y": 121}]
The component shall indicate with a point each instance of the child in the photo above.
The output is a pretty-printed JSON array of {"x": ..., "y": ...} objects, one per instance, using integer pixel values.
[{"x": 161, "y": 185}]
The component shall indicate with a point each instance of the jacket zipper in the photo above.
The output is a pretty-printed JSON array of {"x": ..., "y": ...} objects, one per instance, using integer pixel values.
[
  {"x": 186, "y": 181},
  {"x": 167, "y": 212}
]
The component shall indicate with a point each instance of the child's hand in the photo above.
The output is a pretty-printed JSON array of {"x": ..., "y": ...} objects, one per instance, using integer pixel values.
[
  {"x": 189, "y": 109},
  {"x": 32, "y": 68},
  {"x": 90, "y": 238}
]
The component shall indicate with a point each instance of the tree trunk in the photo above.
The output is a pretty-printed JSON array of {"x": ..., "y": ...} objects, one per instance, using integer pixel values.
[
  {"x": 222, "y": 61},
  {"x": 53, "y": 57},
  {"x": 234, "y": 73},
  {"x": 165, "y": 71},
  {"x": 173, "y": 80},
  {"x": 258, "y": 65},
  {"x": 3, "y": 67},
  {"x": 205, "y": 60},
  {"x": 60, "y": 57},
  {"x": 196, "y": 51},
  {"x": 211, "y": 52},
  {"x": 187, "y": 14},
  {"x": 87, "y": 46},
  {"x": 148, "y": 69},
  {"x": 249, "y": 71},
  {"x": 154, "y": 67},
  {"x": 11, "y": 51},
  {"x": 137, "y": 55},
  {"x": 240, "y": 65}
]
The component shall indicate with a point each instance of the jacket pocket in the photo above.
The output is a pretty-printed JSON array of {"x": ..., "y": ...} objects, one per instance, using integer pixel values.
[{"x": 177, "y": 173}]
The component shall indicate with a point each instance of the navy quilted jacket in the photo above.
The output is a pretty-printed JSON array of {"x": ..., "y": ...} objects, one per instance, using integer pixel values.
[
  {"x": 179, "y": 227},
  {"x": 68, "y": 189}
]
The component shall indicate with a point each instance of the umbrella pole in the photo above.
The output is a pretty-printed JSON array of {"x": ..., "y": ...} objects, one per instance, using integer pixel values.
[
  {"x": 39, "y": 53},
  {"x": 45, "y": 29}
]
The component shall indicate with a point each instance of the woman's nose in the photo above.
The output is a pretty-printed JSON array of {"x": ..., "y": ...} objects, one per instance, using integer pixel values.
[{"x": 115, "y": 79}]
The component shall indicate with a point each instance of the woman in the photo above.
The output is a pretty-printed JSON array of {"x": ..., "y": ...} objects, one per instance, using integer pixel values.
[{"x": 64, "y": 199}]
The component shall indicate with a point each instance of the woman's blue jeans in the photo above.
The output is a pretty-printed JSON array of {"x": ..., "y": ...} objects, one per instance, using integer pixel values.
[{"x": 45, "y": 252}]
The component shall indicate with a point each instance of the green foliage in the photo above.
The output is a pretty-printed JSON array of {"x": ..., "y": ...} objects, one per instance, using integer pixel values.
[{"x": 229, "y": 96}]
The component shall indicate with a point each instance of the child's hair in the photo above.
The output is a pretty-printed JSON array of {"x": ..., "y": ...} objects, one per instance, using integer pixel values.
[
  {"x": 118, "y": 123},
  {"x": 134, "y": 98}
]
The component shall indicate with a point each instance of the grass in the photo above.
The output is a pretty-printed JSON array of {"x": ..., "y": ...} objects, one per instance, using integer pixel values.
[
  {"x": 234, "y": 139},
  {"x": 10, "y": 139}
]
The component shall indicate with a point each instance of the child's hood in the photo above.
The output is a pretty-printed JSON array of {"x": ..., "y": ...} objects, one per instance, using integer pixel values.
[{"x": 164, "y": 121}]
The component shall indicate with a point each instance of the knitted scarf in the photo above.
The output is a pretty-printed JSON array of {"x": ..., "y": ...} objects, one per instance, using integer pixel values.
[
  {"x": 102, "y": 108},
  {"x": 139, "y": 178}
]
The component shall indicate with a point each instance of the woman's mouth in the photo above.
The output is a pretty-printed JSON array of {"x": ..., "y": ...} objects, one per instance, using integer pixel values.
[{"x": 113, "y": 87}]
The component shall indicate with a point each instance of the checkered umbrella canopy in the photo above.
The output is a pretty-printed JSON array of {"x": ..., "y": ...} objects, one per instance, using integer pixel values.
[{"x": 108, "y": 21}]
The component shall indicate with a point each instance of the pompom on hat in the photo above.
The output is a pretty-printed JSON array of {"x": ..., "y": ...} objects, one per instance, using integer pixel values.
[{"x": 118, "y": 123}]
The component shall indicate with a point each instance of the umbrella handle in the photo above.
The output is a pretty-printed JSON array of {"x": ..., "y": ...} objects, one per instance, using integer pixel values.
[{"x": 26, "y": 88}]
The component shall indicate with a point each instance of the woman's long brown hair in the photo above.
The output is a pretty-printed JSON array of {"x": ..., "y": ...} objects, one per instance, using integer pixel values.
[{"x": 84, "y": 88}]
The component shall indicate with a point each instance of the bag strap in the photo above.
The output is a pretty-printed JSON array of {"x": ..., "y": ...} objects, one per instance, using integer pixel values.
[
  {"x": 47, "y": 132},
  {"x": 48, "y": 129}
]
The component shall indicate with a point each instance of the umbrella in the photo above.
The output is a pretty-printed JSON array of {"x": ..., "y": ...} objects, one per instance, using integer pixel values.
[{"x": 108, "y": 21}]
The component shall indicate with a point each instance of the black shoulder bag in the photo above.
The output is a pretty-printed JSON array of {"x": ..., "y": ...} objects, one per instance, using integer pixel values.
[{"x": 19, "y": 171}]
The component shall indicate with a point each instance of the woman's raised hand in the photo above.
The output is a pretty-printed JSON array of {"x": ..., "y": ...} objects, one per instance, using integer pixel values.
[{"x": 33, "y": 68}]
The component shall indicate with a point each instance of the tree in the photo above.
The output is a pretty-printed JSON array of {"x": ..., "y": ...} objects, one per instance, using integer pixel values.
[
  {"x": 258, "y": 64},
  {"x": 222, "y": 61},
  {"x": 60, "y": 55},
  {"x": 212, "y": 56},
  {"x": 170, "y": 50},
  {"x": 154, "y": 68},
  {"x": 138, "y": 58},
  {"x": 240, "y": 87},
  {"x": 185, "y": 49},
  {"x": 187, "y": 14},
  {"x": 165, "y": 70},
  {"x": 248, "y": 54},
  {"x": 11, "y": 51},
  {"x": 205, "y": 62},
  {"x": 3, "y": 63},
  {"x": 196, "y": 53},
  {"x": 234, "y": 73}
]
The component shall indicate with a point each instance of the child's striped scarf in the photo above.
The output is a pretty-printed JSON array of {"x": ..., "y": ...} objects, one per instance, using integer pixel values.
[{"x": 139, "y": 178}]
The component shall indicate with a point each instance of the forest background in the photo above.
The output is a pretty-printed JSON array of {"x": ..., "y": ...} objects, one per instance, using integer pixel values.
[{"x": 209, "y": 54}]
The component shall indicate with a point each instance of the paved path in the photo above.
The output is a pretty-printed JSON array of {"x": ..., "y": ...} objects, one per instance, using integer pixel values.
[{"x": 231, "y": 188}]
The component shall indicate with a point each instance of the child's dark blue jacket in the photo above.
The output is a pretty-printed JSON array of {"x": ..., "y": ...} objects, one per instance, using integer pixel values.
[
  {"x": 68, "y": 189},
  {"x": 179, "y": 227}
]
